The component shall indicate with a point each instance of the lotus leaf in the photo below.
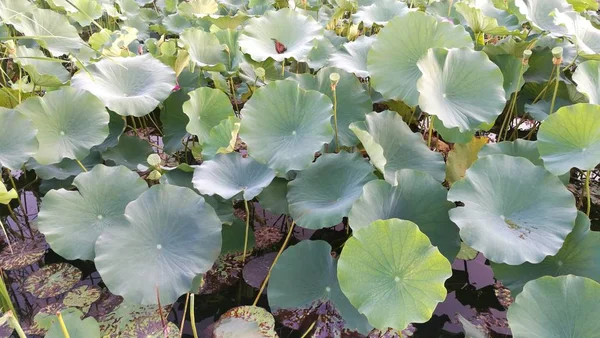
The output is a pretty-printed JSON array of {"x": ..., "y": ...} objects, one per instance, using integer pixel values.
[
  {"x": 22, "y": 254},
  {"x": 76, "y": 327},
  {"x": 298, "y": 291},
  {"x": 17, "y": 143},
  {"x": 461, "y": 157},
  {"x": 284, "y": 125},
  {"x": 206, "y": 108},
  {"x": 82, "y": 11},
  {"x": 7, "y": 195},
  {"x": 167, "y": 225},
  {"x": 246, "y": 321},
  {"x": 221, "y": 138},
  {"x": 393, "y": 146},
  {"x": 42, "y": 71},
  {"x": 540, "y": 14},
  {"x": 512, "y": 69},
  {"x": 587, "y": 76},
  {"x": 479, "y": 21},
  {"x": 82, "y": 297},
  {"x": 52, "y": 280},
  {"x": 380, "y": 12},
  {"x": 131, "y": 86},
  {"x": 402, "y": 283},
  {"x": 274, "y": 197},
  {"x": 352, "y": 57},
  {"x": 72, "y": 221},
  {"x": 400, "y": 44},
  {"x": 69, "y": 123},
  {"x": 323, "y": 194},
  {"x": 582, "y": 31},
  {"x": 553, "y": 307},
  {"x": 44, "y": 318},
  {"x": 205, "y": 49},
  {"x": 116, "y": 127},
  {"x": 131, "y": 152},
  {"x": 571, "y": 138},
  {"x": 530, "y": 214}
]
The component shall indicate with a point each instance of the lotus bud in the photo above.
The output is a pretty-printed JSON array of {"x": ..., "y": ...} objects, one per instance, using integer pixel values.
[
  {"x": 260, "y": 72},
  {"x": 154, "y": 175},
  {"x": 334, "y": 78},
  {"x": 153, "y": 160},
  {"x": 557, "y": 52}
]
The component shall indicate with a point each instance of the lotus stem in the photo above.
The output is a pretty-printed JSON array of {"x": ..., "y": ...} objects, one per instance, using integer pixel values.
[
  {"x": 309, "y": 329},
  {"x": 160, "y": 311},
  {"x": 62, "y": 325},
  {"x": 282, "y": 68},
  {"x": 14, "y": 185},
  {"x": 185, "y": 307},
  {"x": 193, "y": 316},
  {"x": 509, "y": 115},
  {"x": 587, "y": 192},
  {"x": 6, "y": 235},
  {"x": 431, "y": 119},
  {"x": 81, "y": 165},
  {"x": 335, "y": 124},
  {"x": 264, "y": 283},
  {"x": 14, "y": 217},
  {"x": 557, "y": 60},
  {"x": 14, "y": 323},
  {"x": 233, "y": 95},
  {"x": 247, "y": 229}
]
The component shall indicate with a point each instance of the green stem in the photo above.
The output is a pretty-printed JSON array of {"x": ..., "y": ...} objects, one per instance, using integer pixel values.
[
  {"x": 335, "y": 124},
  {"x": 247, "y": 229},
  {"x": 431, "y": 119},
  {"x": 14, "y": 323},
  {"x": 309, "y": 329},
  {"x": 555, "y": 90},
  {"x": 6, "y": 235},
  {"x": 511, "y": 107},
  {"x": 233, "y": 96},
  {"x": 282, "y": 68},
  {"x": 14, "y": 185},
  {"x": 81, "y": 165},
  {"x": 63, "y": 327},
  {"x": 185, "y": 307},
  {"x": 587, "y": 192},
  {"x": 193, "y": 316}
]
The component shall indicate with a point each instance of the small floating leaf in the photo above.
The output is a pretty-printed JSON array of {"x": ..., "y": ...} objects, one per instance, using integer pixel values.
[{"x": 52, "y": 280}]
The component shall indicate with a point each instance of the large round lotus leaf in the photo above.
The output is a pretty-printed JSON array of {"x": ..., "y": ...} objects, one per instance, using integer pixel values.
[
  {"x": 353, "y": 102},
  {"x": 76, "y": 326},
  {"x": 42, "y": 70},
  {"x": 295, "y": 31},
  {"x": 461, "y": 87},
  {"x": 206, "y": 108},
  {"x": 578, "y": 256},
  {"x": 587, "y": 77},
  {"x": 17, "y": 142},
  {"x": 221, "y": 138},
  {"x": 245, "y": 321},
  {"x": 304, "y": 285},
  {"x": 73, "y": 220},
  {"x": 205, "y": 49},
  {"x": 52, "y": 280},
  {"x": 274, "y": 197},
  {"x": 484, "y": 17},
  {"x": 323, "y": 194},
  {"x": 518, "y": 148},
  {"x": 541, "y": 13},
  {"x": 584, "y": 34},
  {"x": 556, "y": 307},
  {"x": 352, "y": 57},
  {"x": 229, "y": 175},
  {"x": 392, "y": 61},
  {"x": 393, "y": 146},
  {"x": 380, "y": 12},
  {"x": 571, "y": 138},
  {"x": 415, "y": 197},
  {"x": 284, "y": 125},
  {"x": 131, "y": 152},
  {"x": 69, "y": 123},
  {"x": 131, "y": 86},
  {"x": 23, "y": 253},
  {"x": 512, "y": 218},
  {"x": 392, "y": 274},
  {"x": 172, "y": 236}
]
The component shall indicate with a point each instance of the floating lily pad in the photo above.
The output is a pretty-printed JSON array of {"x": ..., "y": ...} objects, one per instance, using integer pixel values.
[
  {"x": 393, "y": 146},
  {"x": 587, "y": 77},
  {"x": 571, "y": 138},
  {"x": 226, "y": 272},
  {"x": 69, "y": 123},
  {"x": 323, "y": 194},
  {"x": 17, "y": 143},
  {"x": 304, "y": 285},
  {"x": 529, "y": 214},
  {"x": 150, "y": 328},
  {"x": 76, "y": 326},
  {"x": 73, "y": 220},
  {"x": 284, "y": 125},
  {"x": 380, "y": 12},
  {"x": 578, "y": 256},
  {"x": 131, "y": 86},
  {"x": 400, "y": 44},
  {"x": 414, "y": 196},
  {"x": 127, "y": 316},
  {"x": 352, "y": 57},
  {"x": 52, "y": 280},
  {"x": 295, "y": 31},
  {"x": 167, "y": 225},
  {"x": 400, "y": 285},
  {"x": 461, "y": 87},
  {"x": 206, "y": 108},
  {"x": 44, "y": 318},
  {"x": 556, "y": 307},
  {"x": 82, "y": 297},
  {"x": 131, "y": 152},
  {"x": 23, "y": 253},
  {"x": 245, "y": 321}
]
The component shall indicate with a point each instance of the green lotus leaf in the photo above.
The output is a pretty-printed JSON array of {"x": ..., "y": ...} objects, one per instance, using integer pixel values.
[
  {"x": 290, "y": 28},
  {"x": 304, "y": 284},
  {"x": 82, "y": 297},
  {"x": 229, "y": 175},
  {"x": 7, "y": 195},
  {"x": 13, "y": 12},
  {"x": 400, "y": 45},
  {"x": 353, "y": 102},
  {"x": 479, "y": 21},
  {"x": 539, "y": 110},
  {"x": 323, "y": 194},
  {"x": 76, "y": 327},
  {"x": 116, "y": 127},
  {"x": 352, "y": 56},
  {"x": 392, "y": 146},
  {"x": 245, "y": 321},
  {"x": 233, "y": 238},
  {"x": 82, "y": 11},
  {"x": 69, "y": 123},
  {"x": 414, "y": 196},
  {"x": 584, "y": 5},
  {"x": 512, "y": 72},
  {"x": 380, "y": 12},
  {"x": 274, "y": 197},
  {"x": 206, "y": 108},
  {"x": 541, "y": 13},
  {"x": 73, "y": 220},
  {"x": 400, "y": 285},
  {"x": 131, "y": 152},
  {"x": 42, "y": 70},
  {"x": 176, "y": 23},
  {"x": 46, "y": 316},
  {"x": 284, "y": 125},
  {"x": 172, "y": 235},
  {"x": 174, "y": 122},
  {"x": 198, "y": 8},
  {"x": 221, "y": 138},
  {"x": 529, "y": 215},
  {"x": 461, "y": 157},
  {"x": 64, "y": 169},
  {"x": 471, "y": 330},
  {"x": 52, "y": 280},
  {"x": 586, "y": 37},
  {"x": 461, "y": 87},
  {"x": 571, "y": 138},
  {"x": 22, "y": 253},
  {"x": 453, "y": 135},
  {"x": 556, "y": 307},
  {"x": 577, "y": 256},
  {"x": 319, "y": 54},
  {"x": 466, "y": 252},
  {"x": 17, "y": 142},
  {"x": 131, "y": 86},
  {"x": 587, "y": 77},
  {"x": 205, "y": 49}
]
